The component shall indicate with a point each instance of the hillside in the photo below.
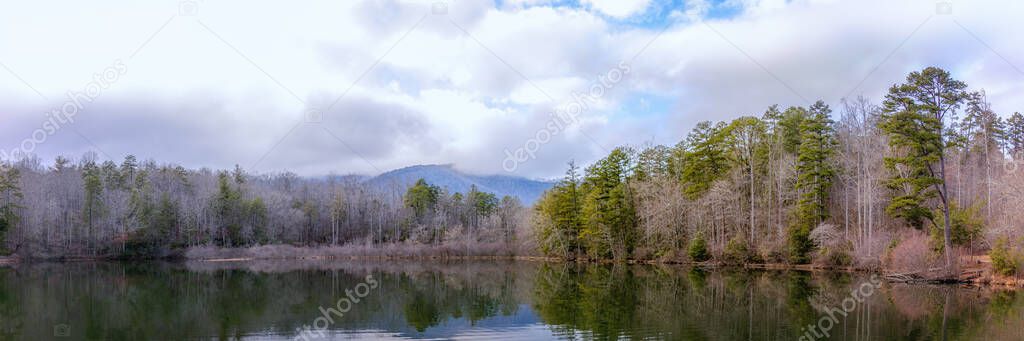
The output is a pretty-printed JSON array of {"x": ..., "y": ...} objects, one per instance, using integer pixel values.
[{"x": 445, "y": 176}]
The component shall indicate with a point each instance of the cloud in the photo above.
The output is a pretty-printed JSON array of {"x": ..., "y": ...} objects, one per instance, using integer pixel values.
[
  {"x": 218, "y": 89},
  {"x": 619, "y": 9}
]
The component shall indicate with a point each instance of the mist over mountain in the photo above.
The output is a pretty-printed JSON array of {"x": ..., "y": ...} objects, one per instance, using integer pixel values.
[{"x": 446, "y": 176}]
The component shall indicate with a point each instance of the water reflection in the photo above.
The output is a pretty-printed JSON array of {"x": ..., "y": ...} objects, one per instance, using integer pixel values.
[{"x": 506, "y": 300}]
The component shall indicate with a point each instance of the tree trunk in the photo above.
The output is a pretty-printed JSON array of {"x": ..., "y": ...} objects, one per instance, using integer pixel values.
[{"x": 945, "y": 212}]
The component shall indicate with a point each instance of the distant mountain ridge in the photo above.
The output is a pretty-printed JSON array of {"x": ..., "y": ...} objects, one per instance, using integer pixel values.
[{"x": 446, "y": 176}]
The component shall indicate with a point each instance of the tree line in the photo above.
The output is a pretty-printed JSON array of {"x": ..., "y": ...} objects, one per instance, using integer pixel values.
[
  {"x": 133, "y": 209},
  {"x": 931, "y": 171}
]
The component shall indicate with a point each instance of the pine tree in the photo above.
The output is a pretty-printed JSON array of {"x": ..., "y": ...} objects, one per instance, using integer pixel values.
[
  {"x": 93, "y": 208},
  {"x": 227, "y": 205},
  {"x": 609, "y": 215},
  {"x": 421, "y": 198},
  {"x": 814, "y": 178},
  {"x": 1015, "y": 135},
  {"x": 165, "y": 220},
  {"x": 481, "y": 204},
  {"x": 915, "y": 115},
  {"x": 10, "y": 199},
  {"x": 559, "y": 216},
  {"x": 705, "y": 159}
]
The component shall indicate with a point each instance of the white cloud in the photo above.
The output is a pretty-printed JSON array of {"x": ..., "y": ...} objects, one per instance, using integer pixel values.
[
  {"x": 462, "y": 87},
  {"x": 619, "y": 9}
]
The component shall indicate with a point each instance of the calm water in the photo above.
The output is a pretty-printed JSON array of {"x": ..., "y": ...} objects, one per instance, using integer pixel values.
[{"x": 482, "y": 300}]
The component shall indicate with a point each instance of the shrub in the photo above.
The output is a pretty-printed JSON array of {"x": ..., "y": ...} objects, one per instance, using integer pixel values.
[
  {"x": 698, "y": 250},
  {"x": 1005, "y": 261},
  {"x": 965, "y": 226},
  {"x": 911, "y": 252},
  {"x": 646, "y": 253},
  {"x": 835, "y": 256},
  {"x": 3, "y": 234},
  {"x": 800, "y": 244},
  {"x": 736, "y": 251}
]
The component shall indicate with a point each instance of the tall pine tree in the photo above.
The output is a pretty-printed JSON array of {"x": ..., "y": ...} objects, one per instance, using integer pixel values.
[
  {"x": 814, "y": 178},
  {"x": 915, "y": 116},
  {"x": 609, "y": 214},
  {"x": 10, "y": 199}
]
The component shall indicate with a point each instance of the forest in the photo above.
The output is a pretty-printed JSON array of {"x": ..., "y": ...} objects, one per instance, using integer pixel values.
[
  {"x": 87, "y": 208},
  {"x": 924, "y": 178}
]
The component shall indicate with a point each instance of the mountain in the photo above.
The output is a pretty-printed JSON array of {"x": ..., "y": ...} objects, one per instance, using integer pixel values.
[{"x": 445, "y": 176}]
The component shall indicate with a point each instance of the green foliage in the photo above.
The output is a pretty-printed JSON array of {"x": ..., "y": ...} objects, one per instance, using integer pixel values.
[
  {"x": 10, "y": 198},
  {"x": 560, "y": 216},
  {"x": 705, "y": 158},
  {"x": 421, "y": 198},
  {"x": 790, "y": 128},
  {"x": 815, "y": 171},
  {"x": 814, "y": 167},
  {"x": 92, "y": 208},
  {"x": 799, "y": 242},
  {"x": 966, "y": 225},
  {"x": 913, "y": 118},
  {"x": 609, "y": 224},
  {"x": 983, "y": 130},
  {"x": 1015, "y": 133},
  {"x": 836, "y": 256},
  {"x": 737, "y": 251},
  {"x": 745, "y": 138},
  {"x": 482, "y": 204},
  {"x": 227, "y": 207},
  {"x": 698, "y": 250},
  {"x": 140, "y": 203},
  {"x": 652, "y": 162},
  {"x": 1005, "y": 260},
  {"x": 235, "y": 214},
  {"x": 257, "y": 212},
  {"x": 166, "y": 218}
]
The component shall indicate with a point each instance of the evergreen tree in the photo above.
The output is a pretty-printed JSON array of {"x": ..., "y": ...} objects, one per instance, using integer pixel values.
[
  {"x": 128, "y": 168},
  {"x": 609, "y": 215},
  {"x": 1015, "y": 135},
  {"x": 142, "y": 209},
  {"x": 166, "y": 219},
  {"x": 92, "y": 208},
  {"x": 10, "y": 199},
  {"x": 986, "y": 131},
  {"x": 421, "y": 198},
  {"x": 705, "y": 159},
  {"x": 560, "y": 215},
  {"x": 653, "y": 162},
  {"x": 915, "y": 115},
  {"x": 814, "y": 178},
  {"x": 790, "y": 128},
  {"x": 256, "y": 210},
  {"x": 227, "y": 205},
  {"x": 481, "y": 204}
]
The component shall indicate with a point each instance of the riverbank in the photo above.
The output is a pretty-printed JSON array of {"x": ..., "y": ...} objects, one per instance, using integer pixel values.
[
  {"x": 478, "y": 251},
  {"x": 8, "y": 261},
  {"x": 975, "y": 270}
]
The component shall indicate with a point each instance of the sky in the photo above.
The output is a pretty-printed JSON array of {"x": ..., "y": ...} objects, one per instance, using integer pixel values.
[{"x": 516, "y": 87}]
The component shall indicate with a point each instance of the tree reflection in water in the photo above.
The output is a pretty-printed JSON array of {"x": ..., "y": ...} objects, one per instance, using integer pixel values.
[{"x": 118, "y": 301}]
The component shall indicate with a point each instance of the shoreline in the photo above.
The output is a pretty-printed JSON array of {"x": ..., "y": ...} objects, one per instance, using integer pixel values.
[
  {"x": 981, "y": 275},
  {"x": 7, "y": 261}
]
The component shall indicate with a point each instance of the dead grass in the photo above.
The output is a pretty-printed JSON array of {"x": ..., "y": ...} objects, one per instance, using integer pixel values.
[{"x": 386, "y": 251}]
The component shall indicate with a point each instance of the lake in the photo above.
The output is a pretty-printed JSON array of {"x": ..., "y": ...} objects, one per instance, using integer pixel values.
[{"x": 497, "y": 300}]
